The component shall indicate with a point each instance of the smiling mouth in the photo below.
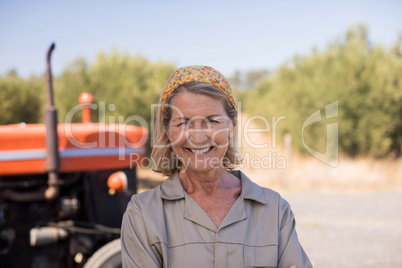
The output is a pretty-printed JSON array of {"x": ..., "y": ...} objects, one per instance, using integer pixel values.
[{"x": 200, "y": 151}]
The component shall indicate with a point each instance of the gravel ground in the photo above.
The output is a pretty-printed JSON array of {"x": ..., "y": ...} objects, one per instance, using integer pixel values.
[{"x": 349, "y": 229}]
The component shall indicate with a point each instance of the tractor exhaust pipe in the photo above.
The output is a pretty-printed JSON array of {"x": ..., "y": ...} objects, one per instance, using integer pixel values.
[
  {"x": 52, "y": 150},
  {"x": 52, "y": 141}
]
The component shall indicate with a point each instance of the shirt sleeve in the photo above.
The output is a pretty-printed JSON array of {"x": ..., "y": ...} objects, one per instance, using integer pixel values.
[
  {"x": 290, "y": 252},
  {"x": 136, "y": 250}
]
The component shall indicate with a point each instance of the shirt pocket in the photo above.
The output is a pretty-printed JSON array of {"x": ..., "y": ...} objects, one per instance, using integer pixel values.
[{"x": 261, "y": 256}]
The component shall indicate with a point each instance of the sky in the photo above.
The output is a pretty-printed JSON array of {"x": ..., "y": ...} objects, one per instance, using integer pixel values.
[{"x": 227, "y": 35}]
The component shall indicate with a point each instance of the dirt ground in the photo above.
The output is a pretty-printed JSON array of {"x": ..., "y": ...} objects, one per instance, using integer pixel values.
[
  {"x": 340, "y": 229},
  {"x": 349, "y": 229}
]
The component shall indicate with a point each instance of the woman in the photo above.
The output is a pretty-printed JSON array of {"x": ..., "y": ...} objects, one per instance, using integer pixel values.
[{"x": 205, "y": 214}]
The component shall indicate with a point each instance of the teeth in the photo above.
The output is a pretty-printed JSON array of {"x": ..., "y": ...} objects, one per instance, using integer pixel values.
[{"x": 200, "y": 151}]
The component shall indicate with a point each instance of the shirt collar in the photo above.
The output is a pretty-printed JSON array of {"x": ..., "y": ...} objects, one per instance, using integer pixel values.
[
  {"x": 171, "y": 188},
  {"x": 249, "y": 189}
]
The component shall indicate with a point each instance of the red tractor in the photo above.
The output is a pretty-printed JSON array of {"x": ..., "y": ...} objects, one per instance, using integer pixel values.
[{"x": 64, "y": 189}]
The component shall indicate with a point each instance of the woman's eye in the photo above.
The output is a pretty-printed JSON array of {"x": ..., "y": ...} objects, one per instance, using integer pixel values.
[
  {"x": 213, "y": 121},
  {"x": 181, "y": 124}
]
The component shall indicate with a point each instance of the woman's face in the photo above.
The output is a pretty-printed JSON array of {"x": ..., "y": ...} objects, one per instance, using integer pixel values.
[{"x": 199, "y": 131}]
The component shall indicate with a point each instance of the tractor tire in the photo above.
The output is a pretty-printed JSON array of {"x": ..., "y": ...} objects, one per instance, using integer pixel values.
[{"x": 108, "y": 256}]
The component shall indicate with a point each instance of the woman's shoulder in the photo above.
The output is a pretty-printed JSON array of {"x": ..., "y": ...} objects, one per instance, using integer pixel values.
[
  {"x": 170, "y": 189},
  {"x": 146, "y": 198}
]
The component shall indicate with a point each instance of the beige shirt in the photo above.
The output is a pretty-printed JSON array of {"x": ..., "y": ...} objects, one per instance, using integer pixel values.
[{"x": 165, "y": 227}]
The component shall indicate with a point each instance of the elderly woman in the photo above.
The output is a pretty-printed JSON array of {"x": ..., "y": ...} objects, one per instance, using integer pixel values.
[{"x": 205, "y": 214}]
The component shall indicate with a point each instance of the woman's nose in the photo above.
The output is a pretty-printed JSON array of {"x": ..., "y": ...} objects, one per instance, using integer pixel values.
[{"x": 197, "y": 137}]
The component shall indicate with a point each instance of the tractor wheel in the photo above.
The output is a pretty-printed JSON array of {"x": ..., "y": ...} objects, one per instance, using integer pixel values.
[{"x": 108, "y": 256}]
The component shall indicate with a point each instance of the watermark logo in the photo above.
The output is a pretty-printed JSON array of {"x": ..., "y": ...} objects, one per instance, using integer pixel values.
[
  {"x": 114, "y": 134},
  {"x": 330, "y": 157}
]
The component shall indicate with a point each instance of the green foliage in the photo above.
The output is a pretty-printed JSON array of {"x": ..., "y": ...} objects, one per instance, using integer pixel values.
[
  {"x": 365, "y": 80},
  {"x": 241, "y": 81},
  {"x": 124, "y": 85},
  {"x": 21, "y": 100}
]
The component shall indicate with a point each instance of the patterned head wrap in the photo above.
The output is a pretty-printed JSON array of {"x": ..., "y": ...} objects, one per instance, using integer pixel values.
[{"x": 196, "y": 73}]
